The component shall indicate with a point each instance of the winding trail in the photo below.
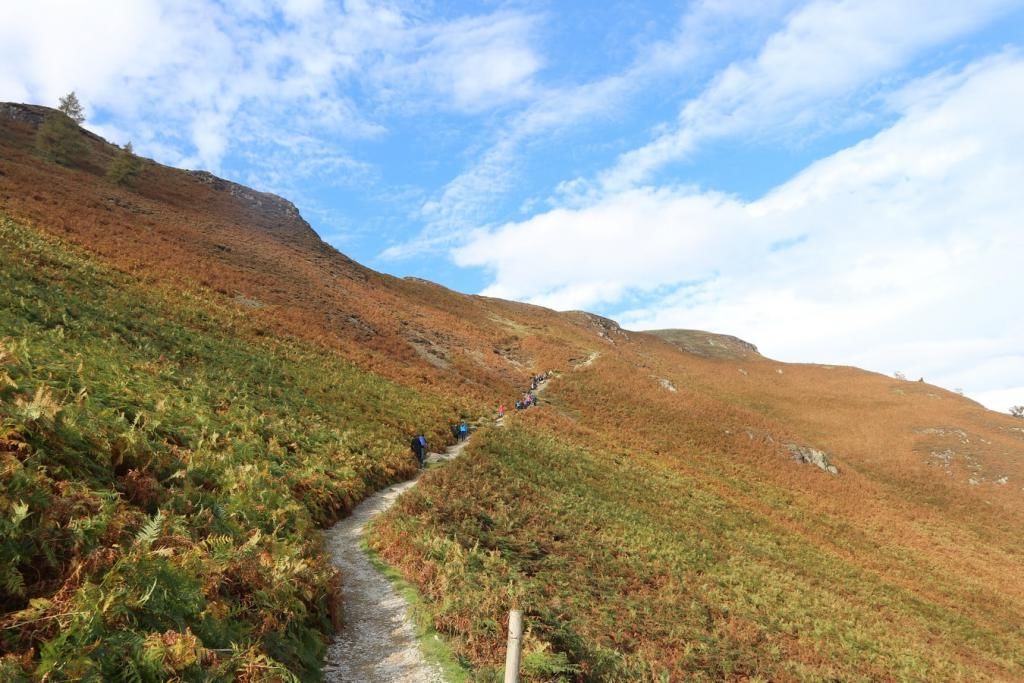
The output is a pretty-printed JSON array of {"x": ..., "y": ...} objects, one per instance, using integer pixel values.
[{"x": 377, "y": 640}]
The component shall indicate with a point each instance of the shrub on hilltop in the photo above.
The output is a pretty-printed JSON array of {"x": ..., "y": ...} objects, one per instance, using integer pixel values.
[
  {"x": 59, "y": 138},
  {"x": 124, "y": 168}
]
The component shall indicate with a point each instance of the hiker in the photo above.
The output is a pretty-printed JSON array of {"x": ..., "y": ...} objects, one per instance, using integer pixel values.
[
  {"x": 463, "y": 431},
  {"x": 501, "y": 410},
  {"x": 519, "y": 405},
  {"x": 455, "y": 430},
  {"x": 419, "y": 448}
]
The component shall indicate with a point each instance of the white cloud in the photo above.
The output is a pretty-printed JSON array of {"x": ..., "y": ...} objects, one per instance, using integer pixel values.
[
  {"x": 481, "y": 61},
  {"x": 830, "y": 53},
  {"x": 900, "y": 253},
  {"x": 182, "y": 73},
  {"x": 465, "y": 202},
  {"x": 190, "y": 75},
  {"x": 1000, "y": 399},
  {"x": 470, "y": 64}
]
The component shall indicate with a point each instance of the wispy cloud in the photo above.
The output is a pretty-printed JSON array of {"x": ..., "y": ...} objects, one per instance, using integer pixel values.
[
  {"x": 809, "y": 75},
  {"x": 912, "y": 234},
  {"x": 466, "y": 201},
  {"x": 477, "y": 62},
  {"x": 198, "y": 79}
]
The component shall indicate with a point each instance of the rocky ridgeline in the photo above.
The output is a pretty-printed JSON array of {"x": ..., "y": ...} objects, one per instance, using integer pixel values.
[
  {"x": 606, "y": 328},
  {"x": 34, "y": 115},
  {"x": 269, "y": 205},
  {"x": 277, "y": 213},
  {"x": 23, "y": 113}
]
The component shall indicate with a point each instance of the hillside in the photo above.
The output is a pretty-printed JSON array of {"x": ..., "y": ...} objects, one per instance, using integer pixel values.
[
  {"x": 192, "y": 383},
  {"x": 707, "y": 344}
]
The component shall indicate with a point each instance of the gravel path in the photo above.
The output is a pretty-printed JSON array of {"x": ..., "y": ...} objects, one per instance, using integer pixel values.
[{"x": 377, "y": 641}]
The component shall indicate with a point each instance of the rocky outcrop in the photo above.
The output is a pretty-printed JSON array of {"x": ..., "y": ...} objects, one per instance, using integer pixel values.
[
  {"x": 269, "y": 205},
  {"x": 32, "y": 114},
  {"x": 606, "y": 328},
  {"x": 812, "y": 456}
]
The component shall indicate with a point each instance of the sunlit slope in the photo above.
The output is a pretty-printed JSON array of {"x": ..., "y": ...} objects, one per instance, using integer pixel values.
[
  {"x": 679, "y": 506},
  {"x": 653, "y": 522},
  {"x": 255, "y": 251},
  {"x": 164, "y": 467}
]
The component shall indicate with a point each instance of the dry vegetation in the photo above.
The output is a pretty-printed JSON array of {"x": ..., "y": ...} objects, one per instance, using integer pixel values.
[
  {"x": 191, "y": 383},
  {"x": 660, "y": 535}
]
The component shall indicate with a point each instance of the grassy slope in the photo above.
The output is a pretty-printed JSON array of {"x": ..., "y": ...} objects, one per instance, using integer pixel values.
[
  {"x": 174, "y": 229},
  {"x": 183, "y": 350},
  {"x": 164, "y": 469},
  {"x": 649, "y": 532},
  {"x": 660, "y": 535}
]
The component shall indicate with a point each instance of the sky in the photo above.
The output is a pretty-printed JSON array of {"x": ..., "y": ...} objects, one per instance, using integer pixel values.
[{"x": 835, "y": 181}]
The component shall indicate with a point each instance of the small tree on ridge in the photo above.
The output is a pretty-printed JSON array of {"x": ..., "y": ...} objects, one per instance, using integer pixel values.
[
  {"x": 72, "y": 108},
  {"x": 59, "y": 139},
  {"x": 125, "y": 167}
]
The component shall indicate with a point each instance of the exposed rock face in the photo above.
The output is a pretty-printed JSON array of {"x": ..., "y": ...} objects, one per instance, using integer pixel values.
[
  {"x": 812, "y": 456},
  {"x": 23, "y": 113},
  {"x": 606, "y": 328},
  {"x": 34, "y": 115},
  {"x": 265, "y": 203}
]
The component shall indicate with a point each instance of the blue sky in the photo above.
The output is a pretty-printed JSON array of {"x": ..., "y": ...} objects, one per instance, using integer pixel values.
[{"x": 835, "y": 181}]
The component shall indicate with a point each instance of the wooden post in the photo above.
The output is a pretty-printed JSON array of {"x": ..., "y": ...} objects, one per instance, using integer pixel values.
[{"x": 515, "y": 646}]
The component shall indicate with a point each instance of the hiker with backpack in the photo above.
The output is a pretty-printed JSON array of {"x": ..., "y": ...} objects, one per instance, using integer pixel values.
[
  {"x": 419, "y": 449},
  {"x": 463, "y": 431}
]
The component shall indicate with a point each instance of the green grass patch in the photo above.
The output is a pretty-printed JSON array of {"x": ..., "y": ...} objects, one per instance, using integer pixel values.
[{"x": 164, "y": 467}]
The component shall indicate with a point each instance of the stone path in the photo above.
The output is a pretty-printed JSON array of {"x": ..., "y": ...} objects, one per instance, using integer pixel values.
[{"x": 377, "y": 640}]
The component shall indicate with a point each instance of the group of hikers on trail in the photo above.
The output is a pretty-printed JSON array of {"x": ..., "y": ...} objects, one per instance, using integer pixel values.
[
  {"x": 419, "y": 448},
  {"x": 529, "y": 398},
  {"x": 460, "y": 431}
]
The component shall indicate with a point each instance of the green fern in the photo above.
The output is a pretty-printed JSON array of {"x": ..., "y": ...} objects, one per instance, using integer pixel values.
[
  {"x": 150, "y": 531},
  {"x": 13, "y": 581}
]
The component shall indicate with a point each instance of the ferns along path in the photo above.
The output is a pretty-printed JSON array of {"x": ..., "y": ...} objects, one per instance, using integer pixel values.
[{"x": 377, "y": 641}]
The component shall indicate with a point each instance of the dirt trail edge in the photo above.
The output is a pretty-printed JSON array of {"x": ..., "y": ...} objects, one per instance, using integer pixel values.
[{"x": 377, "y": 640}]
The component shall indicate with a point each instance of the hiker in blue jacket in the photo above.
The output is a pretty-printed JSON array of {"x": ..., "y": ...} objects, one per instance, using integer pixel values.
[
  {"x": 463, "y": 431},
  {"x": 419, "y": 449}
]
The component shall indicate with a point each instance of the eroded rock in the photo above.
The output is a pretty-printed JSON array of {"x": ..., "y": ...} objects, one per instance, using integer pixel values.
[{"x": 812, "y": 456}]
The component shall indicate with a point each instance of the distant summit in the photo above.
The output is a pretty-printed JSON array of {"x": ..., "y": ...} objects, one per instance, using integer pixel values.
[{"x": 708, "y": 344}]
